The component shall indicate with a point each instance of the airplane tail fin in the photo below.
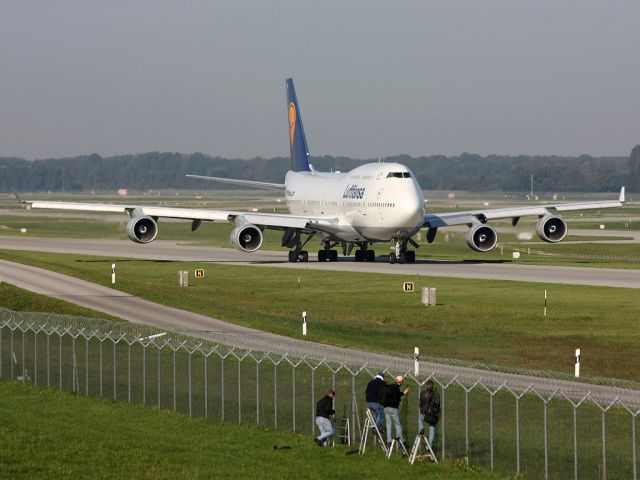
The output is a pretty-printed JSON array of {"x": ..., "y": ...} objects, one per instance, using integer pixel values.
[{"x": 297, "y": 140}]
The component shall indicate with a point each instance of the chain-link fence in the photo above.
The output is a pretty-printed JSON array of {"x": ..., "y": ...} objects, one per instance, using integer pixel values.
[{"x": 524, "y": 431}]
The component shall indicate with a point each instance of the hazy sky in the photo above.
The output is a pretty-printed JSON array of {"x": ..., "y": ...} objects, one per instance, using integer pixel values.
[{"x": 374, "y": 78}]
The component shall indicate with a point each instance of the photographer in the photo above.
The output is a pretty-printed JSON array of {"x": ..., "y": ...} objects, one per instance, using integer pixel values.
[{"x": 429, "y": 410}]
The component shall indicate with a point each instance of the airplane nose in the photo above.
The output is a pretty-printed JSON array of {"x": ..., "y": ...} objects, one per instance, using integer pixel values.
[{"x": 412, "y": 208}]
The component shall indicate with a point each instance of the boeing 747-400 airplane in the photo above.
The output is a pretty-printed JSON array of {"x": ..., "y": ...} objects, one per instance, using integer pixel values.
[{"x": 376, "y": 202}]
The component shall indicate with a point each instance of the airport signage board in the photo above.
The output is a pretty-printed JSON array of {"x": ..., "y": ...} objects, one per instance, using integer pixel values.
[
  {"x": 408, "y": 287},
  {"x": 199, "y": 272}
]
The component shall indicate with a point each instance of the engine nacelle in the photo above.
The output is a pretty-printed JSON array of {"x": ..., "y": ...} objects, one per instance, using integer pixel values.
[
  {"x": 482, "y": 238},
  {"x": 142, "y": 229},
  {"x": 246, "y": 238},
  {"x": 551, "y": 229}
]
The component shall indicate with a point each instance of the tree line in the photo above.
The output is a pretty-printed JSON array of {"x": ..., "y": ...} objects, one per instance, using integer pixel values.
[{"x": 165, "y": 170}]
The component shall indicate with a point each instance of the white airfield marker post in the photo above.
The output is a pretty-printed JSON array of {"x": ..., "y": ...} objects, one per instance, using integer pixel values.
[
  {"x": 113, "y": 274},
  {"x": 577, "y": 370},
  {"x": 416, "y": 361},
  {"x": 304, "y": 324},
  {"x": 545, "y": 303}
]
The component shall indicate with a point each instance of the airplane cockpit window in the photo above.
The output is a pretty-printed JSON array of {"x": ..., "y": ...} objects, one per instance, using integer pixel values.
[{"x": 399, "y": 175}]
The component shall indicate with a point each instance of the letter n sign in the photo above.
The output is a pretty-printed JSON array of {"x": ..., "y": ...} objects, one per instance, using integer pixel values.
[
  {"x": 408, "y": 287},
  {"x": 199, "y": 272}
]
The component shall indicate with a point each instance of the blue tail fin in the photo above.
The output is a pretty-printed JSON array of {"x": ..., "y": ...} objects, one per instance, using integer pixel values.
[{"x": 297, "y": 141}]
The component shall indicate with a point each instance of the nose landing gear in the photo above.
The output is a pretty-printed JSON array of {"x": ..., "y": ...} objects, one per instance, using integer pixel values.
[{"x": 400, "y": 254}]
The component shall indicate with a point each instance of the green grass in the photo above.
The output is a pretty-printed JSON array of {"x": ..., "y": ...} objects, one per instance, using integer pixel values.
[
  {"x": 495, "y": 322},
  {"x": 14, "y": 298},
  {"x": 47, "y": 434}
]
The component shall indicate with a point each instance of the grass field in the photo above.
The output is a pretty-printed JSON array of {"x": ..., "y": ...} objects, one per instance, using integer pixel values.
[
  {"x": 494, "y": 322},
  {"x": 47, "y": 434}
]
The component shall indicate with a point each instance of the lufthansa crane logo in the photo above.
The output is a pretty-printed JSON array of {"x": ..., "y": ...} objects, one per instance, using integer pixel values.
[{"x": 292, "y": 123}]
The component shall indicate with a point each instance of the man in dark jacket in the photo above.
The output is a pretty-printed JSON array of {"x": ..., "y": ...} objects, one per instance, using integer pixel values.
[
  {"x": 429, "y": 410},
  {"x": 324, "y": 409},
  {"x": 374, "y": 394},
  {"x": 391, "y": 403}
]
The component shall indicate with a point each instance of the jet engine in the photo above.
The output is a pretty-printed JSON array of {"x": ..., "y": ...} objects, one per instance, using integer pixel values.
[
  {"x": 246, "y": 237},
  {"x": 142, "y": 229},
  {"x": 482, "y": 238},
  {"x": 551, "y": 228}
]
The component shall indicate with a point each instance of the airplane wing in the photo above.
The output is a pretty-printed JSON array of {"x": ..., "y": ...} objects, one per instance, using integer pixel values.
[
  {"x": 279, "y": 187},
  {"x": 436, "y": 220},
  {"x": 266, "y": 220}
]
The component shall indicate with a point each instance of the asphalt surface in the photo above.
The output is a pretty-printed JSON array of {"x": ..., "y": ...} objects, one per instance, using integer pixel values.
[
  {"x": 140, "y": 311},
  {"x": 489, "y": 270}
]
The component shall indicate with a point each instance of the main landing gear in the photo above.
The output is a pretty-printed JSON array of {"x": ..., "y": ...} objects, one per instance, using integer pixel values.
[
  {"x": 328, "y": 254},
  {"x": 291, "y": 239},
  {"x": 400, "y": 254},
  {"x": 364, "y": 255}
]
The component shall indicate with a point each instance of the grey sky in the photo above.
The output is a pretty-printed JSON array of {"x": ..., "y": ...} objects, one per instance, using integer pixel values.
[{"x": 374, "y": 78}]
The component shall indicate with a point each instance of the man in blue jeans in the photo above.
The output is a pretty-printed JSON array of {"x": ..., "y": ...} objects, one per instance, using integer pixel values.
[
  {"x": 374, "y": 394},
  {"x": 324, "y": 409},
  {"x": 391, "y": 402}
]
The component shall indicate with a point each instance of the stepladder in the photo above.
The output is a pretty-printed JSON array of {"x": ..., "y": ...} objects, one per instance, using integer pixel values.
[
  {"x": 370, "y": 427},
  {"x": 342, "y": 431},
  {"x": 397, "y": 446},
  {"x": 422, "y": 449}
]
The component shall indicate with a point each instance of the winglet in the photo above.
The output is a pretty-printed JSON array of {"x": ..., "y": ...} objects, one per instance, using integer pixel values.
[
  {"x": 622, "y": 197},
  {"x": 20, "y": 200}
]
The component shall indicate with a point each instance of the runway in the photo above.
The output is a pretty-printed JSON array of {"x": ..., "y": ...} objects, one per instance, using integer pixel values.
[
  {"x": 141, "y": 311},
  {"x": 487, "y": 270}
]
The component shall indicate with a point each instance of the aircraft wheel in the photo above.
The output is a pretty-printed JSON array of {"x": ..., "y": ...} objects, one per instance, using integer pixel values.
[
  {"x": 410, "y": 256},
  {"x": 402, "y": 258},
  {"x": 392, "y": 258},
  {"x": 371, "y": 256},
  {"x": 358, "y": 255},
  {"x": 333, "y": 255},
  {"x": 293, "y": 257},
  {"x": 322, "y": 256},
  {"x": 304, "y": 256}
]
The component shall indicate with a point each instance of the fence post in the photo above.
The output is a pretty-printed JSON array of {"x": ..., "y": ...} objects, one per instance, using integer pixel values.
[
  {"x": 603, "y": 410},
  {"x": 190, "y": 393},
  {"x": 257, "y": 392},
  {"x": 491, "y": 393},
  {"x": 293, "y": 410},
  {"x": 144, "y": 372},
  {"x": 60, "y": 359},
  {"x": 129, "y": 371},
  {"x": 275, "y": 394},
  {"x": 206, "y": 386},
  {"x": 174, "y": 380},
  {"x": 239, "y": 391},
  {"x": 313, "y": 400},
  {"x": 101, "y": 340},
  {"x": 158, "y": 372},
  {"x": 115, "y": 383},
  {"x": 35, "y": 357},
  {"x": 222, "y": 387},
  {"x": 442, "y": 412},
  {"x": 575, "y": 430},
  {"x": 48, "y": 360},
  {"x": 24, "y": 368},
  {"x": 0, "y": 353},
  {"x": 545, "y": 403},
  {"x": 86, "y": 365}
]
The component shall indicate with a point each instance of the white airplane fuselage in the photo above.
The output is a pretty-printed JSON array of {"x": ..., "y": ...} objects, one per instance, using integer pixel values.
[{"x": 373, "y": 202}]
